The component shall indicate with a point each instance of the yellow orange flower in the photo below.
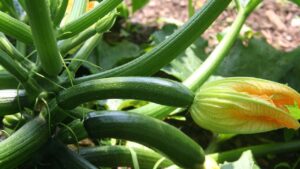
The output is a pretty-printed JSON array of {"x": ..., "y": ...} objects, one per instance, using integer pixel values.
[{"x": 244, "y": 105}]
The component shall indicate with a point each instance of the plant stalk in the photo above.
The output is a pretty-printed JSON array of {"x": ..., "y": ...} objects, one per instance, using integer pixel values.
[
  {"x": 15, "y": 28},
  {"x": 43, "y": 36},
  {"x": 88, "y": 19}
]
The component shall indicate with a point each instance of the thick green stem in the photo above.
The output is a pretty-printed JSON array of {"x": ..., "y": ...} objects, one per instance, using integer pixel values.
[
  {"x": 15, "y": 28},
  {"x": 60, "y": 13},
  {"x": 216, "y": 57},
  {"x": 87, "y": 19},
  {"x": 153, "y": 61},
  {"x": 195, "y": 80},
  {"x": 13, "y": 67},
  {"x": 66, "y": 45},
  {"x": 19, "y": 147},
  {"x": 258, "y": 151},
  {"x": 7, "y": 47},
  {"x": 43, "y": 36}
]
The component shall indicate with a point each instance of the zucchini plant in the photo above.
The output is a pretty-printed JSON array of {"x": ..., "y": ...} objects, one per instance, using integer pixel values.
[{"x": 45, "y": 106}]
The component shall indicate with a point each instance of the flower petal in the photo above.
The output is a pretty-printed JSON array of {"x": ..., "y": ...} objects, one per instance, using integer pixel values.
[
  {"x": 231, "y": 106},
  {"x": 278, "y": 94}
]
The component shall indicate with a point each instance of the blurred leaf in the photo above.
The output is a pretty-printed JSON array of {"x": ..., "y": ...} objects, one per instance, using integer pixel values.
[
  {"x": 138, "y": 4},
  {"x": 188, "y": 61},
  {"x": 296, "y": 2},
  {"x": 108, "y": 56},
  {"x": 257, "y": 59},
  {"x": 246, "y": 161}
]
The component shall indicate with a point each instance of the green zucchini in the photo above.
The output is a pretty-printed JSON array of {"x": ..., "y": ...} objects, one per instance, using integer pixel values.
[
  {"x": 12, "y": 101},
  {"x": 67, "y": 158},
  {"x": 20, "y": 146},
  {"x": 151, "y": 62},
  {"x": 116, "y": 156},
  {"x": 148, "y": 131},
  {"x": 156, "y": 90}
]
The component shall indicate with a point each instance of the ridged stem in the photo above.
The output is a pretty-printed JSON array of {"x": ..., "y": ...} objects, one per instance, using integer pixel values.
[
  {"x": 43, "y": 36},
  {"x": 82, "y": 54},
  {"x": 15, "y": 28},
  {"x": 7, "y": 47},
  {"x": 87, "y": 19},
  {"x": 66, "y": 45},
  {"x": 13, "y": 67},
  {"x": 208, "y": 67},
  {"x": 60, "y": 13}
]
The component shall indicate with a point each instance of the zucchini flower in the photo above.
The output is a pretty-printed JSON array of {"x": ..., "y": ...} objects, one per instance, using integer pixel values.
[{"x": 244, "y": 105}]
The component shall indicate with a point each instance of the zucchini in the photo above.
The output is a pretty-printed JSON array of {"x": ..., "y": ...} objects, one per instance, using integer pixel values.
[
  {"x": 156, "y": 90},
  {"x": 67, "y": 158},
  {"x": 10, "y": 100},
  {"x": 160, "y": 136},
  {"x": 20, "y": 146},
  {"x": 116, "y": 156}
]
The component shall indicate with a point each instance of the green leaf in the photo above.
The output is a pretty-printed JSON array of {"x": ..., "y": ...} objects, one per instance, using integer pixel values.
[
  {"x": 108, "y": 56},
  {"x": 246, "y": 161},
  {"x": 188, "y": 61},
  {"x": 257, "y": 59},
  {"x": 138, "y": 4}
]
